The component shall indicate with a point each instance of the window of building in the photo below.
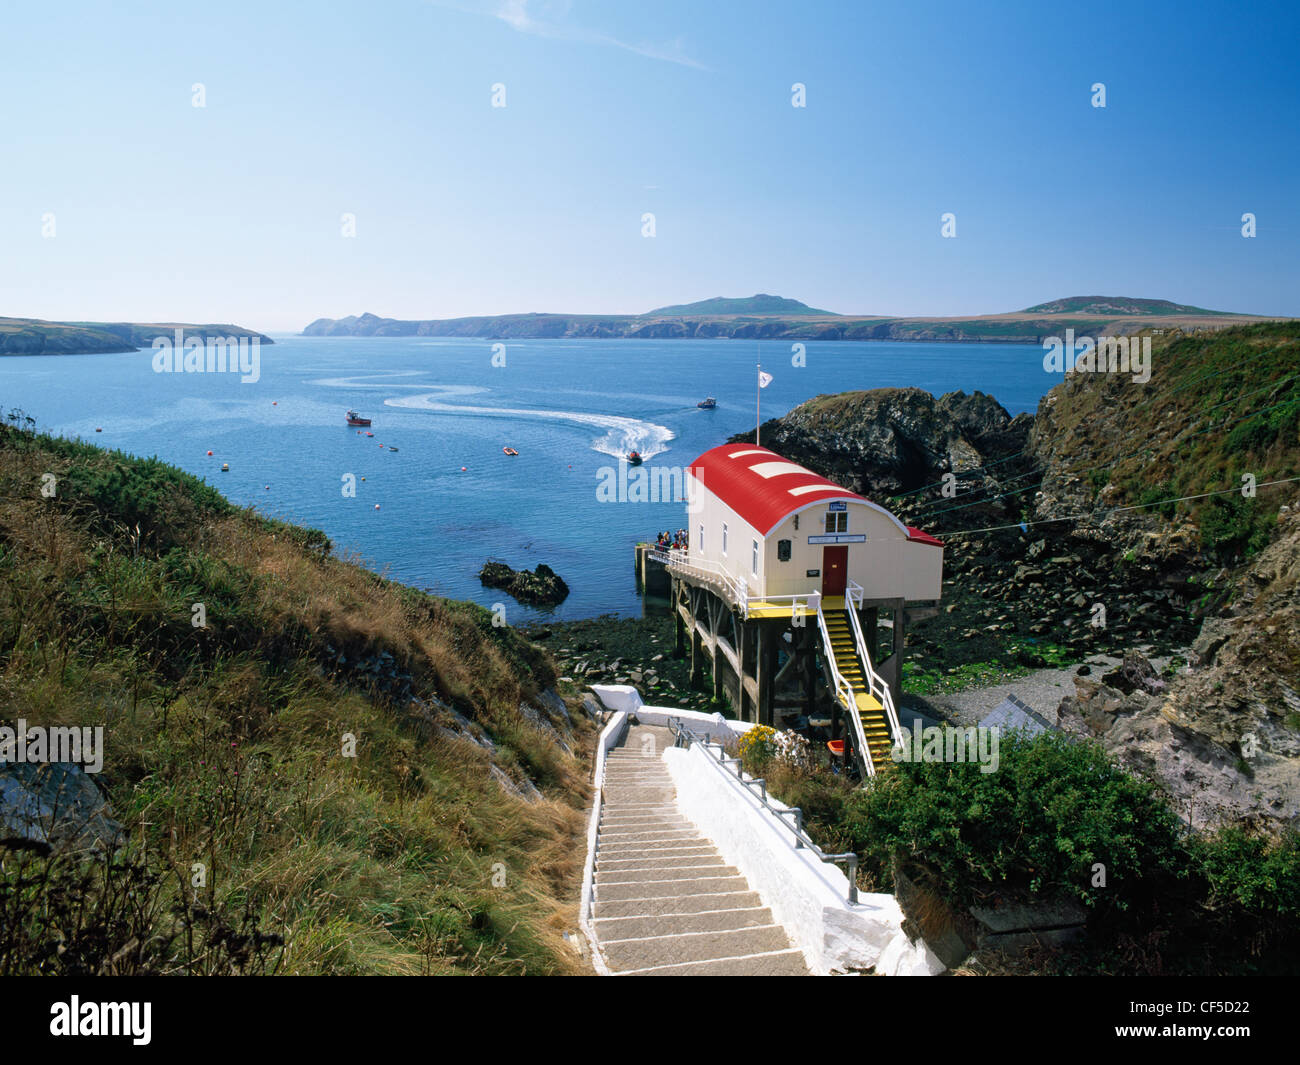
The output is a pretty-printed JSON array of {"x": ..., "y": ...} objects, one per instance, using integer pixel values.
[
  {"x": 699, "y": 544},
  {"x": 783, "y": 550},
  {"x": 837, "y": 521},
  {"x": 753, "y": 561},
  {"x": 724, "y": 537}
]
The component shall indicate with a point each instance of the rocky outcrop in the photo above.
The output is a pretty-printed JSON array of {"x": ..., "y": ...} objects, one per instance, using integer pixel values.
[
  {"x": 54, "y": 806},
  {"x": 896, "y": 439},
  {"x": 540, "y": 587},
  {"x": 1224, "y": 737}
]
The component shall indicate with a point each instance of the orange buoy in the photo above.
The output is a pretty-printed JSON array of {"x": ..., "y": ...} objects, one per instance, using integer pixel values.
[
  {"x": 463, "y": 469},
  {"x": 209, "y": 452},
  {"x": 376, "y": 506}
]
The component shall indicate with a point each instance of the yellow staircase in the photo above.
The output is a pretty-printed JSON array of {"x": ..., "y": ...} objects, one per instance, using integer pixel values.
[{"x": 875, "y": 723}]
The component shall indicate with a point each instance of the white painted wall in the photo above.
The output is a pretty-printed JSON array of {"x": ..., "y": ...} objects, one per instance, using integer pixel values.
[
  {"x": 610, "y": 736},
  {"x": 808, "y": 897},
  {"x": 713, "y": 727}
]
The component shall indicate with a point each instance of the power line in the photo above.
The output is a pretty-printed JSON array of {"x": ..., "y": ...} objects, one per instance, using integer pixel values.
[{"x": 1113, "y": 510}]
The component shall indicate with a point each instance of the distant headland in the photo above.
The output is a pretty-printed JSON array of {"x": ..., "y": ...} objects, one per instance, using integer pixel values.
[
  {"x": 31, "y": 336},
  {"x": 765, "y": 317}
]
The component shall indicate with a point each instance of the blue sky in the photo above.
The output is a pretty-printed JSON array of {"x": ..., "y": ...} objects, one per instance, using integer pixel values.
[{"x": 231, "y": 212}]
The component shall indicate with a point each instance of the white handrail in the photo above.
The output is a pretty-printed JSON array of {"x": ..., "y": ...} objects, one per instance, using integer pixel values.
[
  {"x": 737, "y": 587},
  {"x": 879, "y": 688},
  {"x": 844, "y": 692}
]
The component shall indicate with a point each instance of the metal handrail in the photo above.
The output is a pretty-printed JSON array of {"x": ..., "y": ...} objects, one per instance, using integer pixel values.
[
  {"x": 737, "y": 587},
  {"x": 849, "y": 859},
  {"x": 879, "y": 687},
  {"x": 844, "y": 692}
]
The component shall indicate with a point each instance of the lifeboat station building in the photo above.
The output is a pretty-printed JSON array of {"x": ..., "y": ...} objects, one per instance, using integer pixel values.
[{"x": 796, "y": 593}]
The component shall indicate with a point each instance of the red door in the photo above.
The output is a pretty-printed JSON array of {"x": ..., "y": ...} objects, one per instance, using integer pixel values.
[{"x": 835, "y": 570}]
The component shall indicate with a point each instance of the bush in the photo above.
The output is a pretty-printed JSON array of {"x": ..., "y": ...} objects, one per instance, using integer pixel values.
[{"x": 1040, "y": 823}]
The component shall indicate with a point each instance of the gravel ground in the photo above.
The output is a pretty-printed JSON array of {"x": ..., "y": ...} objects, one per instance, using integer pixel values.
[{"x": 1042, "y": 690}]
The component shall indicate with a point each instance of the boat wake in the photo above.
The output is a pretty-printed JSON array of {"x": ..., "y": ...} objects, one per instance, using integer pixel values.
[{"x": 620, "y": 434}]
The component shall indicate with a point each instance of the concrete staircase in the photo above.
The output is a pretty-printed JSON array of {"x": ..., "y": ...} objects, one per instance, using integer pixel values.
[
  {"x": 665, "y": 902},
  {"x": 870, "y": 711}
]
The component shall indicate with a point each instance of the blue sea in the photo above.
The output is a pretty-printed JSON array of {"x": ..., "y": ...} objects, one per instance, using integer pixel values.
[{"x": 430, "y": 513}]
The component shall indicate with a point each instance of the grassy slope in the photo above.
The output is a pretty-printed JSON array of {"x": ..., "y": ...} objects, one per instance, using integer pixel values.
[
  {"x": 224, "y": 743},
  {"x": 1218, "y": 405}
]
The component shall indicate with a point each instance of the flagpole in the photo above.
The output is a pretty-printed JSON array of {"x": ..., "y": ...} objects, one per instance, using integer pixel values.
[{"x": 758, "y": 404}]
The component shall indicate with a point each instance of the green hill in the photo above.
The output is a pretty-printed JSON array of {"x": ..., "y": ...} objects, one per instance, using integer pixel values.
[
  {"x": 761, "y": 305},
  {"x": 1115, "y": 305},
  {"x": 451, "y": 842}
]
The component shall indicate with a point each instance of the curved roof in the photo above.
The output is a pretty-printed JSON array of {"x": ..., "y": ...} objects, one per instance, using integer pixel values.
[{"x": 764, "y": 488}]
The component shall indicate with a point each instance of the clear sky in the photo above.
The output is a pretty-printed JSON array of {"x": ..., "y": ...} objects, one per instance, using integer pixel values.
[{"x": 383, "y": 109}]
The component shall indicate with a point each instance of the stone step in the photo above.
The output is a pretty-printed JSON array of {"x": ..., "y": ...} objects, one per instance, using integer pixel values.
[
  {"x": 634, "y": 835},
  {"x": 775, "y": 963},
  {"x": 615, "y": 928},
  {"x": 692, "y": 946},
  {"x": 674, "y": 888},
  {"x": 658, "y": 873},
  {"x": 649, "y": 849},
  {"x": 674, "y": 861},
  {"x": 720, "y": 900}
]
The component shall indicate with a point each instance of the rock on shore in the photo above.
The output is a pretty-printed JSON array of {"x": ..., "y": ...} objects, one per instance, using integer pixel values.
[{"x": 540, "y": 587}]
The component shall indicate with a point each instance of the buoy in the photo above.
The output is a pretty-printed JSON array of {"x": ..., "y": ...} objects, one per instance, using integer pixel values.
[
  {"x": 268, "y": 487},
  {"x": 209, "y": 452},
  {"x": 363, "y": 478},
  {"x": 225, "y": 467},
  {"x": 376, "y": 506},
  {"x": 275, "y": 402},
  {"x": 463, "y": 469}
]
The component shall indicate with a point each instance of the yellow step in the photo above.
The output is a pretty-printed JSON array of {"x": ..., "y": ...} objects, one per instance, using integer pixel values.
[{"x": 867, "y": 703}]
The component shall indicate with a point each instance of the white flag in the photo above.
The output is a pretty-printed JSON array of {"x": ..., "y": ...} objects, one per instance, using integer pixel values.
[{"x": 764, "y": 379}]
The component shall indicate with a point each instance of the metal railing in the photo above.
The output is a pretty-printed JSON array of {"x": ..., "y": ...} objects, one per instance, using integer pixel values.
[
  {"x": 875, "y": 682},
  {"x": 844, "y": 692},
  {"x": 684, "y": 737},
  {"x": 736, "y": 588}
]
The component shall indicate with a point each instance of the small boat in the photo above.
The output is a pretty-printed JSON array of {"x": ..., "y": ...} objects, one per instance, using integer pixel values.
[
  {"x": 707, "y": 404},
  {"x": 355, "y": 419},
  {"x": 225, "y": 467},
  {"x": 634, "y": 458},
  {"x": 370, "y": 434},
  {"x": 391, "y": 448},
  {"x": 509, "y": 451}
]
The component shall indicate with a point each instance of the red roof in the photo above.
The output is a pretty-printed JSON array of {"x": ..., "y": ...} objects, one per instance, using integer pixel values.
[
  {"x": 922, "y": 538},
  {"x": 762, "y": 486}
]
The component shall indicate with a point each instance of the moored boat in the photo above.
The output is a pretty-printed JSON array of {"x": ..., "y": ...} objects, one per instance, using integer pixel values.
[{"x": 355, "y": 419}]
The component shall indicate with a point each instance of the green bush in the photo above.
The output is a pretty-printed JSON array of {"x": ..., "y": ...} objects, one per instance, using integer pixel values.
[{"x": 1039, "y": 823}]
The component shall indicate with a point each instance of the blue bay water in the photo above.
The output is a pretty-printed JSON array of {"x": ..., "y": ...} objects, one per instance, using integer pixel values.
[{"x": 570, "y": 407}]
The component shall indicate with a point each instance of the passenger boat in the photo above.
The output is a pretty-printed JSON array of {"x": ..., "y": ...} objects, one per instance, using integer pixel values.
[
  {"x": 634, "y": 458},
  {"x": 355, "y": 419},
  {"x": 707, "y": 404},
  {"x": 509, "y": 451}
]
